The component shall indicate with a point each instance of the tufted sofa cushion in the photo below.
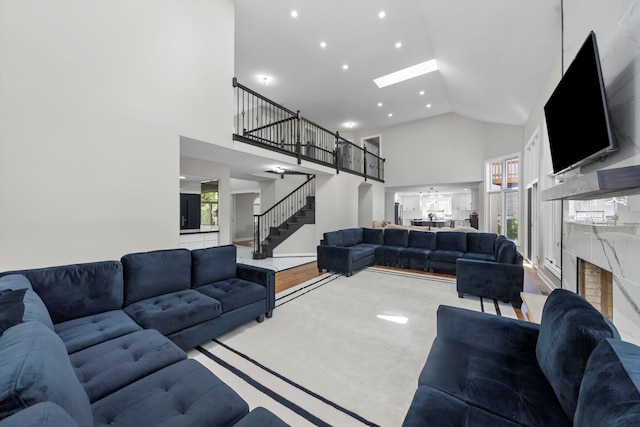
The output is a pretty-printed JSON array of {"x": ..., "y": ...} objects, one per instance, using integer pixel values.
[
  {"x": 185, "y": 393},
  {"x": 234, "y": 293},
  {"x": 84, "y": 332},
  {"x": 45, "y": 414},
  {"x": 154, "y": 273},
  {"x": 35, "y": 368},
  {"x": 111, "y": 365},
  {"x": 610, "y": 389},
  {"x": 432, "y": 407},
  {"x": 570, "y": 329},
  {"x": 493, "y": 381},
  {"x": 172, "y": 312},
  {"x": 213, "y": 264}
]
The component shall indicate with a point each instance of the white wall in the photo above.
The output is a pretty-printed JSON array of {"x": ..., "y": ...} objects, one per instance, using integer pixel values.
[
  {"x": 440, "y": 150},
  {"x": 94, "y": 97},
  {"x": 535, "y": 123}
]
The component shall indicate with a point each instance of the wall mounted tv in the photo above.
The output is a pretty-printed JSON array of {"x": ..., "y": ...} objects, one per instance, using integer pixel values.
[{"x": 577, "y": 115}]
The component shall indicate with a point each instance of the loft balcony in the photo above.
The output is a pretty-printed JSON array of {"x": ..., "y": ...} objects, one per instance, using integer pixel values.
[{"x": 264, "y": 123}]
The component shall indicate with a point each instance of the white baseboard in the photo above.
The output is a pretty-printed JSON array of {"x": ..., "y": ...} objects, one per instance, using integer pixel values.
[
  {"x": 547, "y": 281},
  {"x": 295, "y": 255}
]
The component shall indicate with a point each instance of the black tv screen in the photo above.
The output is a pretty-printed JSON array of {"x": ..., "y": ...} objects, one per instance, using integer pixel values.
[{"x": 577, "y": 115}]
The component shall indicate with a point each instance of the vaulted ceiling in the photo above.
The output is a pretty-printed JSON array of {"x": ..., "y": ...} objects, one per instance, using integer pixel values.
[{"x": 493, "y": 57}]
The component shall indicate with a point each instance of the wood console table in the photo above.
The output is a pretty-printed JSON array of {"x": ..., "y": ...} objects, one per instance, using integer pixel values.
[{"x": 532, "y": 305}]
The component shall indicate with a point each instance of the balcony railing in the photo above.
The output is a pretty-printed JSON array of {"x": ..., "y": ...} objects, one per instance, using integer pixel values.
[{"x": 264, "y": 123}]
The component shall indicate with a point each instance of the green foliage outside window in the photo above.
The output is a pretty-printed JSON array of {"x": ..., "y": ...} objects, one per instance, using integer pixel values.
[
  {"x": 512, "y": 229},
  {"x": 209, "y": 208}
]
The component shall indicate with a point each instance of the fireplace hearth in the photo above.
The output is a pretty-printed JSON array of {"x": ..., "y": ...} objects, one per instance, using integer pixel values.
[{"x": 595, "y": 284}]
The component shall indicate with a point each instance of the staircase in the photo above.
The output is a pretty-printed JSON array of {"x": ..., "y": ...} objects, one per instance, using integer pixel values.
[{"x": 283, "y": 219}]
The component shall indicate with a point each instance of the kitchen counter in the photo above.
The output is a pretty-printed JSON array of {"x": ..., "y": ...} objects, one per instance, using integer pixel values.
[
  {"x": 197, "y": 231},
  {"x": 198, "y": 239}
]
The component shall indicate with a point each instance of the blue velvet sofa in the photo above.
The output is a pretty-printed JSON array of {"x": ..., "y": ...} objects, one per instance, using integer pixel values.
[
  {"x": 487, "y": 370},
  {"x": 97, "y": 344},
  {"x": 349, "y": 250},
  {"x": 485, "y": 264}
]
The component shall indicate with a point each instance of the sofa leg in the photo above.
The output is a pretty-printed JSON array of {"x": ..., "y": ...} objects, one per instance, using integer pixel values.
[
  {"x": 460, "y": 294},
  {"x": 260, "y": 318},
  {"x": 269, "y": 314}
]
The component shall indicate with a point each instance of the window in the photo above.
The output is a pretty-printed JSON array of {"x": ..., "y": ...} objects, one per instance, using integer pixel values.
[
  {"x": 503, "y": 184},
  {"x": 209, "y": 205}
]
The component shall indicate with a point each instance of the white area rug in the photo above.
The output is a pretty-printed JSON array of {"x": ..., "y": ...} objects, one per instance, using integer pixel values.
[{"x": 340, "y": 350}]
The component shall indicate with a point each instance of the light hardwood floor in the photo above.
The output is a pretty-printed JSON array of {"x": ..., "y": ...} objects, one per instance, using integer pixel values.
[
  {"x": 291, "y": 277},
  {"x": 286, "y": 279}
]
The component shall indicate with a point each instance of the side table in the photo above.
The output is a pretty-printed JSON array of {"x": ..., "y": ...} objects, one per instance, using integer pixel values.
[{"x": 532, "y": 305}]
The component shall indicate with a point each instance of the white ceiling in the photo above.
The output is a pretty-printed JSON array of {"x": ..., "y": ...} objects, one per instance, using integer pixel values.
[{"x": 493, "y": 58}]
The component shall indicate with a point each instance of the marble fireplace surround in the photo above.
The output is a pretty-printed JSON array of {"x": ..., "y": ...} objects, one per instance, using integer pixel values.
[
  {"x": 612, "y": 244},
  {"x": 615, "y": 249}
]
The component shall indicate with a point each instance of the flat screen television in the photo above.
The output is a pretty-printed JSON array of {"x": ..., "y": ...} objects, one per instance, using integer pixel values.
[{"x": 577, "y": 115}]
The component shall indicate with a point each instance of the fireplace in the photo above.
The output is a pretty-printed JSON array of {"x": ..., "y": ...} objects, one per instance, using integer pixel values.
[{"x": 595, "y": 284}]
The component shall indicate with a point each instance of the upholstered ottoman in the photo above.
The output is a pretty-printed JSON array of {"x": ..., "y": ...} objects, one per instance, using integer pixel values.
[
  {"x": 185, "y": 393},
  {"x": 260, "y": 417}
]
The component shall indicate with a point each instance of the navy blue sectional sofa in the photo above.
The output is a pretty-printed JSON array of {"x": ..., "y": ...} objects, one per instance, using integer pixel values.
[
  {"x": 103, "y": 343},
  {"x": 487, "y": 370},
  {"x": 485, "y": 264}
]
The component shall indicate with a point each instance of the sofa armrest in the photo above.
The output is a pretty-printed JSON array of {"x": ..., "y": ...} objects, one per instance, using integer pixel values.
[
  {"x": 261, "y": 276},
  {"x": 490, "y": 279},
  {"x": 494, "y": 333},
  {"x": 334, "y": 258}
]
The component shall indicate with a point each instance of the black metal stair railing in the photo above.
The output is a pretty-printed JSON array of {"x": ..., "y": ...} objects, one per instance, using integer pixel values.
[
  {"x": 281, "y": 220},
  {"x": 264, "y": 123}
]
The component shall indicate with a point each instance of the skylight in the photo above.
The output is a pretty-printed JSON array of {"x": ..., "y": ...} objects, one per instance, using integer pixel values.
[{"x": 406, "y": 73}]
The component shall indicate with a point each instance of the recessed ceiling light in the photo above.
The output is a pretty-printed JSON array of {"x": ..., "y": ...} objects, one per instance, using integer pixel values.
[
  {"x": 406, "y": 73},
  {"x": 390, "y": 114},
  {"x": 421, "y": 92},
  {"x": 398, "y": 45},
  {"x": 349, "y": 125},
  {"x": 382, "y": 14},
  {"x": 183, "y": 177},
  {"x": 428, "y": 105},
  {"x": 294, "y": 13},
  {"x": 345, "y": 67},
  {"x": 379, "y": 104},
  {"x": 323, "y": 44},
  {"x": 264, "y": 80}
]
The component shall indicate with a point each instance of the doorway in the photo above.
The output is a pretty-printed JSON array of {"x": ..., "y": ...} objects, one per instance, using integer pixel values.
[
  {"x": 243, "y": 207},
  {"x": 372, "y": 145}
]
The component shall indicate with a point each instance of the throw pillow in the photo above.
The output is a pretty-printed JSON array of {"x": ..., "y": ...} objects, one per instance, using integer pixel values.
[{"x": 11, "y": 308}]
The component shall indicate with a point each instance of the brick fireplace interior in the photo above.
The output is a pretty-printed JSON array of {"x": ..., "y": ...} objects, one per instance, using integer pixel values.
[{"x": 595, "y": 284}]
